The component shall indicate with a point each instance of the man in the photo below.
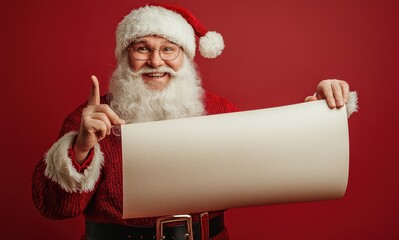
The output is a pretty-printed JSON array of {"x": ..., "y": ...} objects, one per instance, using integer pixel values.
[{"x": 155, "y": 79}]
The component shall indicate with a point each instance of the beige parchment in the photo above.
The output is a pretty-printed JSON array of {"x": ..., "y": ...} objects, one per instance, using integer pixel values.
[{"x": 286, "y": 154}]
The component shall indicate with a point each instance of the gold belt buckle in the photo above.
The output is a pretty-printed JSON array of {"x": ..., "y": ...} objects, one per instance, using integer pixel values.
[{"x": 175, "y": 218}]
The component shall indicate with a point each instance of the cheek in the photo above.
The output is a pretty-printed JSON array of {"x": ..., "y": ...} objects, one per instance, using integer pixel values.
[
  {"x": 135, "y": 65},
  {"x": 176, "y": 65}
]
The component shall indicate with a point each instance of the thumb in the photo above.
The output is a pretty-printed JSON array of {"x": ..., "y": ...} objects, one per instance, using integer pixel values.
[
  {"x": 120, "y": 121},
  {"x": 310, "y": 98}
]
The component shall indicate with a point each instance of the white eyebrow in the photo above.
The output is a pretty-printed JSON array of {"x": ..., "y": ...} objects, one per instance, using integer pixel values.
[{"x": 140, "y": 40}]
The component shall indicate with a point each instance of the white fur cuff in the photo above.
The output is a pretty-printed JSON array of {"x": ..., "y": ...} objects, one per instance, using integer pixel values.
[
  {"x": 59, "y": 166},
  {"x": 351, "y": 105}
]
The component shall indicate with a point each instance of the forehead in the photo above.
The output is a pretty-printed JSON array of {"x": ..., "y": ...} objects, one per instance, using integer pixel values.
[{"x": 152, "y": 40}]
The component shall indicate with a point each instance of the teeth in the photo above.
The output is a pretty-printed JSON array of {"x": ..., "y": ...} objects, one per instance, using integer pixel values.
[{"x": 156, "y": 74}]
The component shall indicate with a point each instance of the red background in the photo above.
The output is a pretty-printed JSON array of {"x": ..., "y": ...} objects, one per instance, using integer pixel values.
[{"x": 276, "y": 53}]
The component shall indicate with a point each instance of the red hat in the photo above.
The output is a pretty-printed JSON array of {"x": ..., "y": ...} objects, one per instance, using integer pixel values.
[{"x": 174, "y": 23}]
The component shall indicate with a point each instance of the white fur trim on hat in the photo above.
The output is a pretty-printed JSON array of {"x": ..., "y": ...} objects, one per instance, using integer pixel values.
[
  {"x": 59, "y": 166},
  {"x": 351, "y": 105},
  {"x": 154, "y": 20},
  {"x": 211, "y": 45}
]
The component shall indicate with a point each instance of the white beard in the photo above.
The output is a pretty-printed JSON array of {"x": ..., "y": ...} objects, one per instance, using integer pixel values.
[{"x": 134, "y": 101}]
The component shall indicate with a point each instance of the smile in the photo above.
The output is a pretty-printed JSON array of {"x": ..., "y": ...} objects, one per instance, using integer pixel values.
[{"x": 155, "y": 74}]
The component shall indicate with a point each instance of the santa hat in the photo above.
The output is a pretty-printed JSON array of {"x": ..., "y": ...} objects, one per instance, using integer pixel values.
[{"x": 174, "y": 23}]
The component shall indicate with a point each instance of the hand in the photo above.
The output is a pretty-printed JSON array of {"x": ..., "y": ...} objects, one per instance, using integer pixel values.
[
  {"x": 334, "y": 91},
  {"x": 95, "y": 124}
]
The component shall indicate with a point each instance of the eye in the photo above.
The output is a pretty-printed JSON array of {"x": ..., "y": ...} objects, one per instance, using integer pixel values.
[
  {"x": 169, "y": 49},
  {"x": 141, "y": 49}
]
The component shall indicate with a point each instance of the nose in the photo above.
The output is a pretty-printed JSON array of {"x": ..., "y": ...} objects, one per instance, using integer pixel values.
[{"x": 155, "y": 59}]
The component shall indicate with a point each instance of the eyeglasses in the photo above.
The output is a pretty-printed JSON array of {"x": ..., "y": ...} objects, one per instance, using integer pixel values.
[{"x": 168, "y": 52}]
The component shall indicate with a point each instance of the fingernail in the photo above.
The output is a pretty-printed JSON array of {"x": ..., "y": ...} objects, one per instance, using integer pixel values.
[{"x": 331, "y": 104}]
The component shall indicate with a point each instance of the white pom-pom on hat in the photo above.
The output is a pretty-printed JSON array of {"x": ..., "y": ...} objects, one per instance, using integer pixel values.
[{"x": 211, "y": 44}]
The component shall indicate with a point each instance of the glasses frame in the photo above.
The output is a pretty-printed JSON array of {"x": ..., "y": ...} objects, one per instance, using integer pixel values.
[{"x": 130, "y": 49}]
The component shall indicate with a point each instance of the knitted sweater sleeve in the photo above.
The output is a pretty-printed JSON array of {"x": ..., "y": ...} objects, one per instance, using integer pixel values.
[
  {"x": 216, "y": 105},
  {"x": 59, "y": 190}
]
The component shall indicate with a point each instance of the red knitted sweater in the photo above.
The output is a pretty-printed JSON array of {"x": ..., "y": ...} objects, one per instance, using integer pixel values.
[{"x": 60, "y": 188}]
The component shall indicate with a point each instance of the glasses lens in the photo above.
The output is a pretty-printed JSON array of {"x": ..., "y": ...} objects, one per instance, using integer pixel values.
[
  {"x": 169, "y": 52},
  {"x": 140, "y": 52}
]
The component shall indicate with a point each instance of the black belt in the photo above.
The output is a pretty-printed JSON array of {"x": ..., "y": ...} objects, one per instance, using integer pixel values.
[{"x": 98, "y": 231}]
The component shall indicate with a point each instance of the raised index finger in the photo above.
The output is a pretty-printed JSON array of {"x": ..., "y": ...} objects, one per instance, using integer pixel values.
[{"x": 94, "y": 98}]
